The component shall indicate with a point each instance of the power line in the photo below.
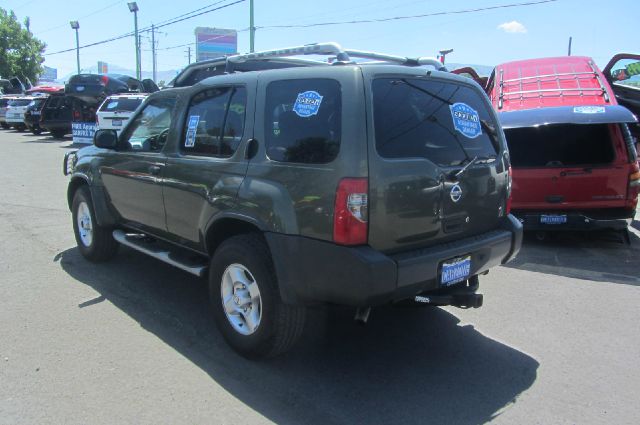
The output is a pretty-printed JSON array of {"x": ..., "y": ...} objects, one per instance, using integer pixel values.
[
  {"x": 146, "y": 29},
  {"x": 81, "y": 17},
  {"x": 398, "y": 18}
]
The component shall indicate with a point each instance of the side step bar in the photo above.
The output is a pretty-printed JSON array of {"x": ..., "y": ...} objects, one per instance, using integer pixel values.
[{"x": 140, "y": 243}]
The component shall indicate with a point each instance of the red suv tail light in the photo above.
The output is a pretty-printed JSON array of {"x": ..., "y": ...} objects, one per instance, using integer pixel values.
[
  {"x": 104, "y": 80},
  {"x": 634, "y": 181},
  {"x": 509, "y": 187},
  {"x": 351, "y": 215}
]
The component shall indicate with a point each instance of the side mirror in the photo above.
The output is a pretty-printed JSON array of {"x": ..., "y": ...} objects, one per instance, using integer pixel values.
[{"x": 107, "y": 139}]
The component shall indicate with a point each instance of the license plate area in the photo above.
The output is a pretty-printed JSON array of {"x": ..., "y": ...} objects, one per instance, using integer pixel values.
[
  {"x": 116, "y": 123},
  {"x": 455, "y": 270},
  {"x": 553, "y": 219}
]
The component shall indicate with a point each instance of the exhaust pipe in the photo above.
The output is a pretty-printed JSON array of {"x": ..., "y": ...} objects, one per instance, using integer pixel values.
[{"x": 362, "y": 315}]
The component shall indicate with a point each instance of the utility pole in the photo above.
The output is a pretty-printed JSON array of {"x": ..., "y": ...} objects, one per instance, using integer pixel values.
[
  {"x": 153, "y": 50},
  {"x": 188, "y": 52},
  {"x": 570, "y": 40},
  {"x": 252, "y": 28},
  {"x": 139, "y": 57}
]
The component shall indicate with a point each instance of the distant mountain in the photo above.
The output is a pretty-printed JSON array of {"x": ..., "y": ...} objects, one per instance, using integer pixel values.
[{"x": 115, "y": 69}]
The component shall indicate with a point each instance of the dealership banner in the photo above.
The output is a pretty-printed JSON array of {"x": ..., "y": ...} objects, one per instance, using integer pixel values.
[{"x": 83, "y": 132}]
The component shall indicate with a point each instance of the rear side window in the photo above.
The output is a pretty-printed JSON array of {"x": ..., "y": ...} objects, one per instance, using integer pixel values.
[
  {"x": 215, "y": 122},
  {"x": 303, "y": 120},
  {"x": 445, "y": 123},
  {"x": 121, "y": 105},
  {"x": 560, "y": 145}
]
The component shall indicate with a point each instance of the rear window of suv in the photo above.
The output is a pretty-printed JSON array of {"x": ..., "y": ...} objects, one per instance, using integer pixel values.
[
  {"x": 121, "y": 105},
  {"x": 303, "y": 120},
  {"x": 443, "y": 122}
]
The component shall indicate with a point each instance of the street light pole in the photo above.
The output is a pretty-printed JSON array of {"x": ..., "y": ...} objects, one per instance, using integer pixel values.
[
  {"x": 76, "y": 25},
  {"x": 133, "y": 7},
  {"x": 252, "y": 28}
]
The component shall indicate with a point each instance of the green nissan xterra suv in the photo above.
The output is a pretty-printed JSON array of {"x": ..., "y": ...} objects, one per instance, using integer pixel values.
[{"x": 350, "y": 183}]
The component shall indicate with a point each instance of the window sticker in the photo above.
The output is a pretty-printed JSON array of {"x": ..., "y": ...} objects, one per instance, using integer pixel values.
[
  {"x": 466, "y": 120},
  {"x": 112, "y": 105},
  {"x": 588, "y": 110},
  {"x": 307, "y": 103},
  {"x": 190, "y": 140}
]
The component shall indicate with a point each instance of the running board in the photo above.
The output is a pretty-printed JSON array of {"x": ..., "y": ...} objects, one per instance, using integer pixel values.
[{"x": 141, "y": 243}]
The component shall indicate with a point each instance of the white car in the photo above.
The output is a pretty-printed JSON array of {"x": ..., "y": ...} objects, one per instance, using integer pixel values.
[
  {"x": 4, "y": 105},
  {"x": 16, "y": 108},
  {"x": 116, "y": 111}
]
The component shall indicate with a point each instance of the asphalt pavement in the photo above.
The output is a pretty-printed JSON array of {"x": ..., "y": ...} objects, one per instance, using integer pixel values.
[{"x": 132, "y": 340}]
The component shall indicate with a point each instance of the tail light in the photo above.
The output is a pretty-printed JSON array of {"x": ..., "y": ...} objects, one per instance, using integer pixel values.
[
  {"x": 509, "y": 187},
  {"x": 76, "y": 115},
  {"x": 351, "y": 215},
  {"x": 104, "y": 80},
  {"x": 634, "y": 179},
  {"x": 97, "y": 121}
]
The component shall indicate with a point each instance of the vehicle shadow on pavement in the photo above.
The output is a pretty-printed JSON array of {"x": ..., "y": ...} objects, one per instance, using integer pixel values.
[
  {"x": 601, "y": 256},
  {"x": 45, "y": 138},
  {"x": 408, "y": 365}
]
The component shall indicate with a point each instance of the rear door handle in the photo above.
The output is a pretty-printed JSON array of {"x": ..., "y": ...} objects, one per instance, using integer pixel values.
[{"x": 154, "y": 170}]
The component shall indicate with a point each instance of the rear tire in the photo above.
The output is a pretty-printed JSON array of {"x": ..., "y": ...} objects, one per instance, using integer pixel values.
[
  {"x": 246, "y": 301},
  {"x": 95, "y": 242},
  {"x": 21, "y": 127}
]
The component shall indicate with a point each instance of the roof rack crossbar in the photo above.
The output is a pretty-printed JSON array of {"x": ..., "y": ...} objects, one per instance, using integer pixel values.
[
  {"x": 560, "y": 91},
  {"x": 308, "y": 49},
  {"x": 341, "y": 55}
]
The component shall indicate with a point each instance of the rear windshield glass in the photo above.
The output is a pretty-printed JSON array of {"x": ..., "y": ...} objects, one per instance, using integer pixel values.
[
  {"x": 20, "y": 102},
  {"x": 121, "y": 105},
  {"x": 560, "y": 145},
  {"x": 445, "y": 123},
  {"x": 4, "y": 102}
]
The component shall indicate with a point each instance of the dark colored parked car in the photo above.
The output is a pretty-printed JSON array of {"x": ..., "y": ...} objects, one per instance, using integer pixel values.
[
  {"x": 56, "y": 115},
  {"x": 352, "y": 184},
  {"x": 33, "y": 114},
  {"x": 94, "y": 88}
]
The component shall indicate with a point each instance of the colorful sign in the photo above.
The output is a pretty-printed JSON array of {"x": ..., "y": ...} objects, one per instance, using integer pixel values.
[
  {"x": 307, "y": 103},
  {"x": 213, "y": 43}
]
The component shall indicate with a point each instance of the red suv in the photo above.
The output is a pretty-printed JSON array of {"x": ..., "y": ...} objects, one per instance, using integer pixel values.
[{"x": 574, "y": 158}]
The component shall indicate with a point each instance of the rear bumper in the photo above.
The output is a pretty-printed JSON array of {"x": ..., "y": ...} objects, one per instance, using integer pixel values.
[
  {"x": 56, "y": 125},
  {"x": 310, "y": 270},
  {"x": 577, "y": 220}
]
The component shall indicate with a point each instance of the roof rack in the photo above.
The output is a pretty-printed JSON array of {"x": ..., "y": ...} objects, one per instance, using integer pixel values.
[
  {"x": 555, "y": 76},
  {"x": 342, "y": 56}
]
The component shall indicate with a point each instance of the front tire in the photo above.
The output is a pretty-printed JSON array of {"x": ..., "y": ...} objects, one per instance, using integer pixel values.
[
  {"x": 246, "y": 301},
  {"x": 95, "y": 242}
]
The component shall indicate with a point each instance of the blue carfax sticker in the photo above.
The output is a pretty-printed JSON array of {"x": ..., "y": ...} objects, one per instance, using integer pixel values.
[
  {"x": 192, "y": 127},
  {"x": 307, "y": 103},
  {"x": 466, "y": 120},
  {"x": 589, "y": 110}
]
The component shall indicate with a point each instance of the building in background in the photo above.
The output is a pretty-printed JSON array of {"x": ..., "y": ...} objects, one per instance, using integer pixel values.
[{"x": 212, "y": 43}]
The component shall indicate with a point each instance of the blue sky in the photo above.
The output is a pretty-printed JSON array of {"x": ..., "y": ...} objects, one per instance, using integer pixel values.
[{"x": 599, "y": 29}]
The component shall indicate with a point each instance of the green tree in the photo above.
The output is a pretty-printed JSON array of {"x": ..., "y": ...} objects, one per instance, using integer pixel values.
[{"x": 21, "y": 54}]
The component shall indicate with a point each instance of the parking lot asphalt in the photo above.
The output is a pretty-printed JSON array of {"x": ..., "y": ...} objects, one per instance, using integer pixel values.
[{"x": 132, "y": 341}]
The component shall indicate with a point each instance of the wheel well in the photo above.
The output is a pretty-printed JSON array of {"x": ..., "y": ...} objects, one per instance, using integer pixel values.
[
  {"x": 73, "y": 187},
  {"x": 226, "y": 228}
]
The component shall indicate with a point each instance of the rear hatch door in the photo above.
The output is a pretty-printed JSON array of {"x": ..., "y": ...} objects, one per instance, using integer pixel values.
[
  {"x": 425, "y": 130},
  {"x": 568, "y": 158}
]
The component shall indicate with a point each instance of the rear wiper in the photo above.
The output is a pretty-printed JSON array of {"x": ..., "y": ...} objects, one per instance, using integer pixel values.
[{"x": 475, "y": 160}]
